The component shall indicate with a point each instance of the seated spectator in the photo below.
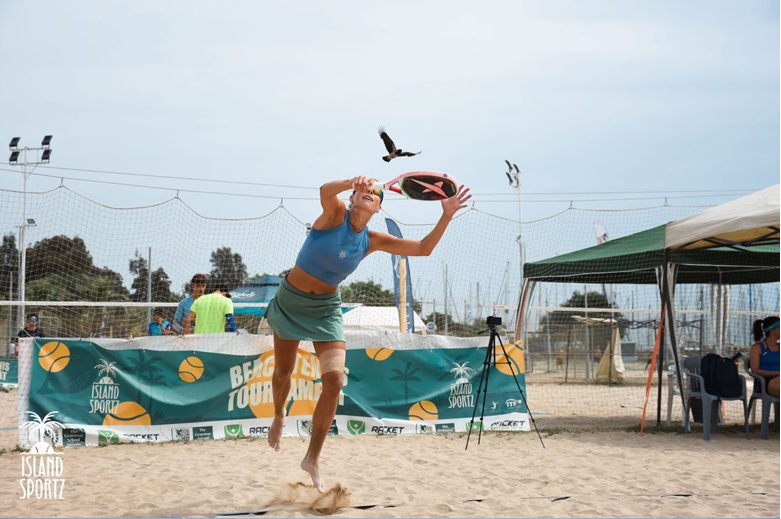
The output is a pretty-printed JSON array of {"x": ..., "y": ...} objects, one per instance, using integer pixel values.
[
  {"x": 158, "y": 325},
  {"x": 764, "y": 355}
]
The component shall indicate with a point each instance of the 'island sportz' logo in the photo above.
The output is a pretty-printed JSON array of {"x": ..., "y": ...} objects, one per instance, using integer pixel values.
[
  {"x": 461, "y": 392},
  {"x": 105, "y": 392},
  {"x": 42, "y": 467}
]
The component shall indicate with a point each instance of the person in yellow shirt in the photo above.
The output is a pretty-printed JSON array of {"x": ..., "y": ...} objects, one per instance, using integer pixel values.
[{"x": 213, "y": 312}]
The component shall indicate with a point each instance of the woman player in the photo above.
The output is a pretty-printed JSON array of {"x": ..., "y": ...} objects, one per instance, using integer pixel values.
[{"x": 307, "y": 305}]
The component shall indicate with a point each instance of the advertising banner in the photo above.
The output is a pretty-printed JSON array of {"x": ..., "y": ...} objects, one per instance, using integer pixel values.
[
  {"x": 104, "y": 396},
  {"x": 397, "y": 261},
  {"x": 9, "y": 371}
]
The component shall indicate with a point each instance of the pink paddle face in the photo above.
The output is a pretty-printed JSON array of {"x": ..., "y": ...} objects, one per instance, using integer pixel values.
[{"x": 426, "y": 185}]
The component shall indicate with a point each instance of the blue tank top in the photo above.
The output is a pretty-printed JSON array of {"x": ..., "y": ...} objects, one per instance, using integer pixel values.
[
  {"x": 768, "y": 359},
  {"x": 333, "y": 254}
]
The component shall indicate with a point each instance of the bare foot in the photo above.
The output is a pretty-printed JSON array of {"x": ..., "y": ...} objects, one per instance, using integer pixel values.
[
  {"x": 275, "y": 433},
  {"x": 314, "y": 472}
]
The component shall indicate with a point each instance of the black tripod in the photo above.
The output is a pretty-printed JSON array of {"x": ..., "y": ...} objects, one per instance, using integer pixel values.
[{"x": 482, "y": 387}]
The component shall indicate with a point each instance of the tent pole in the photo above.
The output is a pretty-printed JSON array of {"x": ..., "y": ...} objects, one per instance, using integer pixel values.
[
  {"x": 660, "y": 355},
  {"x": 671, "y": 271}
]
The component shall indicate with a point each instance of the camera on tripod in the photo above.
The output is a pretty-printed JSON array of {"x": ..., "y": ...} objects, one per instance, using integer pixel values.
[{"x": 492, "y": 320}]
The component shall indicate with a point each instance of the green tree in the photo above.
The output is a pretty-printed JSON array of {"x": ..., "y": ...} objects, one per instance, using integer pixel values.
[
  {"x": 88, "y": 321},
  {"x": 367, "y": 293},
  {"x": 227, "y": 268},
  {"x": 455, "y": 328},
  {"x": 9, "y": 265},
  {"x": 161, "y": 284},
  {"x": 62, "y": 269},
  {"x": 59, "y": 254}
]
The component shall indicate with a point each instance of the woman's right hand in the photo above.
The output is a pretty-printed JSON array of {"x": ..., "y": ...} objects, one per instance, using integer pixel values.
[{"x": 361, "y": 184}]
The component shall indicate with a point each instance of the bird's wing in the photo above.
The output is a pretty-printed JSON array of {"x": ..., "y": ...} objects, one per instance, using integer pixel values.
[
  {"x": 509, "y": 168},
  {"x": 509, "y": 178},
  {"x": 409, "y": 153},
  {"x": 386, "y": 140},
  {"x": 516, "y": 168}
]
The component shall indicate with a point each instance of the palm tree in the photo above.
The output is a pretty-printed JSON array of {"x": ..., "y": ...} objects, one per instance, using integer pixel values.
[
  {"x": 408, "y": 375},
  {"x": 109, "y": 368},
  {"x": 42, "y": 427},
  {"x": 149, "y": 373},
  {"x": 461, "y": 371}
]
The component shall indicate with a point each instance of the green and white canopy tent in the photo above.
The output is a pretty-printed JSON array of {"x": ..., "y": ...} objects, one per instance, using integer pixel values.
[{"x": 734, "y": 243}]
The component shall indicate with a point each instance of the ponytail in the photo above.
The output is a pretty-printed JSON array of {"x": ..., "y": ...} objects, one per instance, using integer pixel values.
[{"x": 757, "y": 330}]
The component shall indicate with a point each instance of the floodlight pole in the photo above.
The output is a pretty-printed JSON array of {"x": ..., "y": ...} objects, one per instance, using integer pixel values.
[
  {"x": 519, "y": 239},
  {"x": 27, "y": 164}
]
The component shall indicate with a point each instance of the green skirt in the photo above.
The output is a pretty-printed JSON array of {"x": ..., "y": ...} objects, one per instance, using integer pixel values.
[{"x": 297, "y": 315}]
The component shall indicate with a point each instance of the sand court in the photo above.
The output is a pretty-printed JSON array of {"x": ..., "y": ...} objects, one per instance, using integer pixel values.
[{"x": 578, "y": 474}]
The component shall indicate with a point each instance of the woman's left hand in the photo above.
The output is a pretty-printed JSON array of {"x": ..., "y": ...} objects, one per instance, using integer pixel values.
[{"x": 450, "y": 206}]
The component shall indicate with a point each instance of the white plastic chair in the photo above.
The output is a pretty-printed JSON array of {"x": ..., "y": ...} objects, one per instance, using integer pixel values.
[
  {"x": 711, "y": 407},
  {"x": 760, "y": 393}
]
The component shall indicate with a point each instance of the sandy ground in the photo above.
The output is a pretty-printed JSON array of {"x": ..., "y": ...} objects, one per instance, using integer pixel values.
[
  {"x": 594, "y": 464},
  {"x": 580, "y": 474}
]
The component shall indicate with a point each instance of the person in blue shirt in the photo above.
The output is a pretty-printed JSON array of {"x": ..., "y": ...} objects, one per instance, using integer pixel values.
[
  {"x": 764, "y": 354},
  {"x": 158, "y": 325},
  {"x": 197, "y": 288},
  {"x": 307, "y": 305}
]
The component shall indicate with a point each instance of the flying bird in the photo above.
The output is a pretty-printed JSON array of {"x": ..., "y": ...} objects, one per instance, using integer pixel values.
[
  {"x": 393, "y": 152},
  {"x": 512, "y": 177}
]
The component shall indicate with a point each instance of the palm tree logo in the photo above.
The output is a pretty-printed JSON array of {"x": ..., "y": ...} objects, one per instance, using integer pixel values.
[
  {"x": 406, "y": 376},
  {"x": 41, "y": 428},
  {"x": 107, "y": 368},
  {"x": 461, "y": 371}
]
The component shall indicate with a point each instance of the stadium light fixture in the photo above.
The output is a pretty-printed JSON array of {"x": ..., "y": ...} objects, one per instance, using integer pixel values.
[{"x": 42, "y": 155}]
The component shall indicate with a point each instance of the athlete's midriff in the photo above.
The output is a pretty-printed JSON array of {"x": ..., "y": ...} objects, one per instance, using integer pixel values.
[{"x": 300, "y": 280}]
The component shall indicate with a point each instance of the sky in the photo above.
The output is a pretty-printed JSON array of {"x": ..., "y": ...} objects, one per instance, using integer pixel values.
[{"x": 240, "y": 106}]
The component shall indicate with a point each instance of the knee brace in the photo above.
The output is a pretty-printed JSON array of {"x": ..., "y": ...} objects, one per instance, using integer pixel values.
[{"x": 332, "y": 360}]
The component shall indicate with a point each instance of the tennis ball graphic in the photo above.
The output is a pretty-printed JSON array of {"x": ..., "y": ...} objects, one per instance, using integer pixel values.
[
  {"x": 191, "y": 369},
  {"x": 54, "y": 356},
  {"x": 424, "y": 410},
  {"x": 127, "y": 413},
  {"x": 513, "y": 363},
  {"x": 379, "y": 354}
]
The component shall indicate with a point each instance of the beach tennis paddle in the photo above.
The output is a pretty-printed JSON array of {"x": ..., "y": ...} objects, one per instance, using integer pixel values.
[{"x": 421, "y": 185}]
